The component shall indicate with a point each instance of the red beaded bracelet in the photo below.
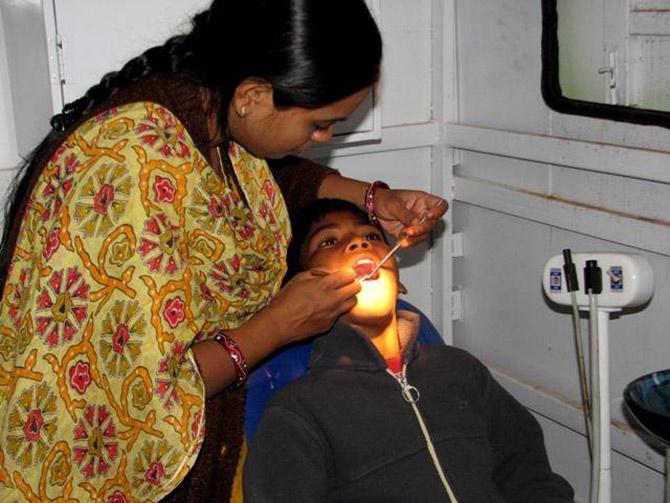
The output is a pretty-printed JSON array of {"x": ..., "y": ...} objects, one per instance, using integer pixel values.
[
  {"x": 370, "y": 200},
  {"x": 236, "y": 356}
]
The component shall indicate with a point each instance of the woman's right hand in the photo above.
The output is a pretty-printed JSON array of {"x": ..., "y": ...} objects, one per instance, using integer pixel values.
[{"x": 312, "y": 301}]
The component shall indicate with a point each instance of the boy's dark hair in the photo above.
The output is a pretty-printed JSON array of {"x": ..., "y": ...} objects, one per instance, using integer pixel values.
[{"x": 310, "y": 215}]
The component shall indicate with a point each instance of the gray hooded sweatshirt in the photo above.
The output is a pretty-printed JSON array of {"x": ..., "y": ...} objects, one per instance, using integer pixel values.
[{"x": 345, "y": 433}]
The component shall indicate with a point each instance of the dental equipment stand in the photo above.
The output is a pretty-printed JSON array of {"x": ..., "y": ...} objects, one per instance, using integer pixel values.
[
  {"x": 601, "y": 470},
  {"x": 629, "y": 282}
]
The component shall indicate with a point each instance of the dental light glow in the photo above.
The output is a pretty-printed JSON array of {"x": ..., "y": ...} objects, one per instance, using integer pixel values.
[{"x": 377, "y": 296}]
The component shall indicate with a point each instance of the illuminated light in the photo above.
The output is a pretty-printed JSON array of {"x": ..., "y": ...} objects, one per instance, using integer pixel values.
[{"x": 377, "y": 297}]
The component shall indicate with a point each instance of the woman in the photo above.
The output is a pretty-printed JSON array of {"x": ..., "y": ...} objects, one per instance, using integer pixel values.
[{"x": 145, "y": 246}]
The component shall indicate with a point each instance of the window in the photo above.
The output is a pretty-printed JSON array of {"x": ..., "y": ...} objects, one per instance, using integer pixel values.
[{"x": 608, "y": 59}]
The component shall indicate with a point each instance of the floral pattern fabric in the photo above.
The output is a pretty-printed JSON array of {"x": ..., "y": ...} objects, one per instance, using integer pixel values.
[{"x": 131, "y": 249}]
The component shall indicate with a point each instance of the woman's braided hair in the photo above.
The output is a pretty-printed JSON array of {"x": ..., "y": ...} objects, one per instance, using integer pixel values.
[
  {"x": 166, "y": 58},
  {"x": 297, "y": 46}
]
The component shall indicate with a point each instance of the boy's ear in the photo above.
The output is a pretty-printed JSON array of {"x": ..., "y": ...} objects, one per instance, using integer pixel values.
[{"x": 401, "y": 288}]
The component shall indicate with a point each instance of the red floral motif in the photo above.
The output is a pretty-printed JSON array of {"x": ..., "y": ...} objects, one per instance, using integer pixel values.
[
  {"x": 217, "y": 207},
  {"x": 277, "y": 248},
  {"x": 56, "y": 155},
  {"x": 211, "y": 205},
  {"x": 268, "y": 214},
  {"x": 155, "y": 474},
  {"x": 117, "y": 497},
  {"x": 122, "y": 331},
  {"x": 174, "y": 312},
  {"x": 96, "y": 446},
  {"x": 254, "y": 263},
  {"x": 205, "y": 302},
  {"x": 52, "y": 243},
  {"x": 197, "y": 429},
  {"x": 71, "y": 165},
  {"x": 31, "y": 425},
  {"x": 236, "y": 262},
  {"x": 19, "y": 297},
  {"x": 64, "y": 304},
  {"x": 230, "y": 278},
  {"x": 159, "y": 129},
  {"x": 120, "y": 338},
  {"x": 158, "y": 245},
  {"x": 156, "y": 463},
  {"x": 80, "y": 376},
  {"x": 103, "y": 198},
  {"x": 172, "y": 370},
  {"x": 269, "y": 191},
  {"x": 205, "y": 292},
  {"x": 241, "y": 222},
  {"x": 164, "y": 190},
  {"x": 244, "y": 228},
  {"x": 59, "y": 184}
]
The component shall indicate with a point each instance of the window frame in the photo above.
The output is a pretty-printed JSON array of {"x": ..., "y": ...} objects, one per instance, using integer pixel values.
[{"x": 551, "y": 87}]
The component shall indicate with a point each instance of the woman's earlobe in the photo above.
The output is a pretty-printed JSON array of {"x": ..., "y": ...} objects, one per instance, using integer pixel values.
[{"x": 250, "y": 93}]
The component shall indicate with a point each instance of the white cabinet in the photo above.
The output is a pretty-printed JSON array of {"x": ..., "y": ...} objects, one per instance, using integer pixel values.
[{"x": 56, "y": 49}]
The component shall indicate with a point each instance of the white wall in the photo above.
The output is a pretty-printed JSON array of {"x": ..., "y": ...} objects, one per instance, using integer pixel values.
[
  {"x": 8, "y": 149},
  {"x": 524, "y": 193},
  {"x": 7, "y": 137}
]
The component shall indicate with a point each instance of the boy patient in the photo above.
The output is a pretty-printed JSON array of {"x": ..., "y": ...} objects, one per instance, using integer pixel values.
[{"x": 380, "y": 417}]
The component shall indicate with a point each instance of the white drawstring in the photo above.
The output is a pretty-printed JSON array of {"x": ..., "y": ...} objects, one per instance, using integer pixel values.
[{"x": 412, "y": 396}]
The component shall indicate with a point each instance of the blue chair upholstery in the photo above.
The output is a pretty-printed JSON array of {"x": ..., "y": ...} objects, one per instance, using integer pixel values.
[{"x": 292, "y": 362}]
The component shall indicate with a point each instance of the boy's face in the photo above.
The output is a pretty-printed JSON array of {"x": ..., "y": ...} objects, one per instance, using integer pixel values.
[{"x": 343, "y": 239}]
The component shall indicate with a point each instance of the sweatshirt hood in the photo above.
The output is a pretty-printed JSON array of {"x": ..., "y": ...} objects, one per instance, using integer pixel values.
[{"x": 345, "y": 348}]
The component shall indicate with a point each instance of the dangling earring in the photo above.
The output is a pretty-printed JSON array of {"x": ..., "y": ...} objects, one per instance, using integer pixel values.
[{"x": 243, "y": 111}]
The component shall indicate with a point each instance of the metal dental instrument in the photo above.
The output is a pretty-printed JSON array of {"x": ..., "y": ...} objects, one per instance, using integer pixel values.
[
  {"x": 381, "y": 262},
  {"x": 403, "y": 235}
]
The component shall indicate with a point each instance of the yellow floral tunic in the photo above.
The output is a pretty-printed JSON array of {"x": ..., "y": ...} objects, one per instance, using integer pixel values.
[{"x": 131, "y": 248}]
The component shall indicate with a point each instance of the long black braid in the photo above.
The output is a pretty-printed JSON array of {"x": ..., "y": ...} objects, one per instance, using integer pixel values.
[{"x": 167, "y": 58}]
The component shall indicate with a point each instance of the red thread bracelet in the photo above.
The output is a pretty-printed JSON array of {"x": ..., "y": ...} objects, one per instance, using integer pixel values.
[
  {"x": 236, "y": 356},
  {"x": 370, "y": 200}
]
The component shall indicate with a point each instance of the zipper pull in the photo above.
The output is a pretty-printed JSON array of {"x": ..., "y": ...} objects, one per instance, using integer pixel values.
[{"x": 409, "y": 392}]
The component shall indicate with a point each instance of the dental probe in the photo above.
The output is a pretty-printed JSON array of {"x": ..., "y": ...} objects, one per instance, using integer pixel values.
[
  {"x": 403, "y": 235},
  {"x": 381, "y": 262}
]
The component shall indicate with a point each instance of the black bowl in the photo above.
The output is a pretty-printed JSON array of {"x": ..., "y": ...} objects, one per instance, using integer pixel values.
[{"x": 648, "y": 399}]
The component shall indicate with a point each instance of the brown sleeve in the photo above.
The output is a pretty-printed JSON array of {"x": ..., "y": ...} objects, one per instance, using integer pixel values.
[{"x": 299, "y": 180}]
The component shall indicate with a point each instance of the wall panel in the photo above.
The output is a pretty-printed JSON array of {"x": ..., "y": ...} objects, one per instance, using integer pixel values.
[
  {"x": 498, "y": 64},
  {"x": 406, "y": 79},
  {"x": 8, "y": 156}
]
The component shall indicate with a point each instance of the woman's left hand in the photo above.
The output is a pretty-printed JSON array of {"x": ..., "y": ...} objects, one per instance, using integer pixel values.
[{"x": 400, "y": 211}]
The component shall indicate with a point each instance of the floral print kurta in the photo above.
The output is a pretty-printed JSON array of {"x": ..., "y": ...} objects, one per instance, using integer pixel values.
[{"x": 132, "y": 248}]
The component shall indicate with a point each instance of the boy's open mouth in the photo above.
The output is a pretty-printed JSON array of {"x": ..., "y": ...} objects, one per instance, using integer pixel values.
[{"x": 363, "y": 267}]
